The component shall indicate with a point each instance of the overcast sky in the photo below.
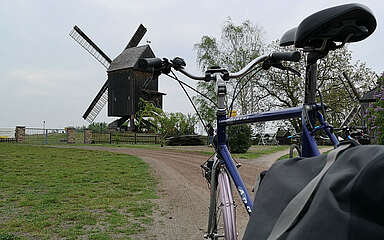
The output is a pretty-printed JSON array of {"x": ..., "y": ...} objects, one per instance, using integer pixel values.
[{"x": 45, "y": 75}]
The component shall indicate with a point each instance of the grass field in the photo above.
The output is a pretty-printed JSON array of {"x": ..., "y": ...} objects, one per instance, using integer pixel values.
[
  {"x": 259, "y": 150},
  {"x": 48, "y": 193}
]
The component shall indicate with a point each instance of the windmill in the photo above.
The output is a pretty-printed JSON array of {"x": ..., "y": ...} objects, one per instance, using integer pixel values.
[{"x": 126, "y": 82}]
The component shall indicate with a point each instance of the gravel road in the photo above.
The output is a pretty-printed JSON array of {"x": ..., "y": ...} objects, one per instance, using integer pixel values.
[{"x": 183, "y": 203}]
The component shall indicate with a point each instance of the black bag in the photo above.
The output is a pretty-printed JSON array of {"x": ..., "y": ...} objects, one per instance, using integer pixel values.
[{"x": 347, "y": 202}]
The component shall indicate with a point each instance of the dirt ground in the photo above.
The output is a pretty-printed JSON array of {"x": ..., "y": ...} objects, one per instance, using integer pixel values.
[{"x": 184, "y": 194}]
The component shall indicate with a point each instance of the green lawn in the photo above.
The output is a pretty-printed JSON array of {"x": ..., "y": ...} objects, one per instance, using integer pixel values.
[
  {"x": 50, "y": 193},
  {"x": 259, "y": 150}
]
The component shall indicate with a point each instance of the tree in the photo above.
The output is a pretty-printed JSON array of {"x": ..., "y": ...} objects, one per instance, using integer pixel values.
[
  {"x": 239, "y": 138},
  {"x": 238, "y": 46},
  {"x": 375, "y": 114},
  {"x": 286, "y": 89},
  {"x": 274, "y": 89},
  {"x": 98, "y": 126},
  {"x": 165, "y": 124}
]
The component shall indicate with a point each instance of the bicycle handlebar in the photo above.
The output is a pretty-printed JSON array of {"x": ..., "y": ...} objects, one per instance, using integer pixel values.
[
  {"x": 286, "y": 56},
  {"x": 163, "y": 65}
]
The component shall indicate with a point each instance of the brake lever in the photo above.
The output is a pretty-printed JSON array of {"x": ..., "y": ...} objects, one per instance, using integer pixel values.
[{"x": 268, "y": 64}]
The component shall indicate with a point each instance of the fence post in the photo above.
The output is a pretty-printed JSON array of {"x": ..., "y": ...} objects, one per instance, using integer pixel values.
[
  {"x": 70, "y": 135},
  {"x": 20, "y": 134},
  {"x": 135, "y": 139},
  {"x": 110, "y": 137}
]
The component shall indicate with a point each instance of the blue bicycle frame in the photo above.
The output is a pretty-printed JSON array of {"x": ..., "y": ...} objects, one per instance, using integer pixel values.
[{"x": 309, "y": 146}]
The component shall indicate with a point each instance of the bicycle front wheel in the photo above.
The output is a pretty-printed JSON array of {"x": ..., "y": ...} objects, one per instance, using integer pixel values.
[
  {"x": 222, "y": 222},
  {"x": 294, "y": 151}
]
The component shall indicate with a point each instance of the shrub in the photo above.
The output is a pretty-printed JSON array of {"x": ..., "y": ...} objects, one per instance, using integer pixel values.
[
  {"x": 375, "y": 114},
  {"x": 186, "y": 140},
  {"x": 7, "y": 236},
  {"x": 163, "y": 123},
  {"x": 239, "y": 138}
]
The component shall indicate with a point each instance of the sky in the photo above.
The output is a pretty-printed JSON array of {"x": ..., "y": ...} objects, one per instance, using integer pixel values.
[{"x": 46, "y": 76}]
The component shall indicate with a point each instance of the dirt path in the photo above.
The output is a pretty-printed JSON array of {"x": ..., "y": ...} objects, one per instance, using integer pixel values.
[{"x": 183, "y": 203}]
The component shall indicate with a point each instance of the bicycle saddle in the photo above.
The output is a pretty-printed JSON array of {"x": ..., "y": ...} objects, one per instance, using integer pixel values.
[{"x": 344, "y": 23}]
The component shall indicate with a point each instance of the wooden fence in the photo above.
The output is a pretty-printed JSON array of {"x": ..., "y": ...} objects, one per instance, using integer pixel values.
[{"x": 114, "y": 137}]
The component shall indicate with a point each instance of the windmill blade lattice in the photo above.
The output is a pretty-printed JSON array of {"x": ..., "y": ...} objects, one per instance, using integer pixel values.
[
  {"x": 351, "y": 115},
  {"x": 97, "y": 104},
  {"x": 80, "y": 37}
]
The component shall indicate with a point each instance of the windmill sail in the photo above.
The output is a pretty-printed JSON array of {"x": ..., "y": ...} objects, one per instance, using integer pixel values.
[
  {"x": 84, "y": 41},
  {"x": 102, "y": 96},
  {"x": 351, "y": 115},
  {"x": 97, "y": 104},
  {"x": 139, "y": 34},
  {"x": 355, "y": 92}
]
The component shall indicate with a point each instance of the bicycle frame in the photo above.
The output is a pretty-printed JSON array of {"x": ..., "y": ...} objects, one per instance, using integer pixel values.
[{"x": 309, "y": 146}]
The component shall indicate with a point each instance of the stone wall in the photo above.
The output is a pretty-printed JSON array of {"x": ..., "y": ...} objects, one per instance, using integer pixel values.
[
  {"x": 20, "y": 134},
  {"x": 71, "y": 137},
  {"x": 87, "y": 136}
]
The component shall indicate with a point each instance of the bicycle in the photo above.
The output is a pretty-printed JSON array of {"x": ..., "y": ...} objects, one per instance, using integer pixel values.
[
  {"x": 222, "y": 164},
  {"x": 356, "y": 133},
  {"x": 218, "y": 168},
  {"x": 295, "y": 147}
]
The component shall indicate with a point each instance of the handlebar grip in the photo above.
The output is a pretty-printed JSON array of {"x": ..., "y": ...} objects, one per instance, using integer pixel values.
[
  {"x": 150, "y": 62},
  {"x": 286, "y": 56}
]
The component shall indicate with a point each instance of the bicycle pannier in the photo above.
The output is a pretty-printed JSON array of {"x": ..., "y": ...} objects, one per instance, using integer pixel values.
[{"x": 301, "y": 198}]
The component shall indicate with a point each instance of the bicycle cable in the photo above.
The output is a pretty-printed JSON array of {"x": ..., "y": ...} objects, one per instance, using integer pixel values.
[
  {"x": 321, "y": 103},
  {"x": 195, "y": 90},
  {"x": 190, "y": 100},
  {"x": 246, "y": 82}
]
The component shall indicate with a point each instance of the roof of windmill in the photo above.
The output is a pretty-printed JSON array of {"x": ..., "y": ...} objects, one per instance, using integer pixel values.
[{"x": 129, "y": 57}]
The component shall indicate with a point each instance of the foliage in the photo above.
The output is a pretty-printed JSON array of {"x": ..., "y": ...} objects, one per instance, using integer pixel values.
[
  {"x": 7, "y": 236},
  {"x": 98, "y": 126},
  {"x": 186, "y": 140},
  {"x": 239, "y": 138},
  {"x": 51, "y": 193},
  {"x": 177, "y": 124},
  {"x": 375, "y": 115},
  {"x": 165, "y": 124},
  {"x": 274, "y": 89},
  {"x": 238, "y": 46},
  {"x": 147, "y": 117},
  {"x": 287, "y": 90}
]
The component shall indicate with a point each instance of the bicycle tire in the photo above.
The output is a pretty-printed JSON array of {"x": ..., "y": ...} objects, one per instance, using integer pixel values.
[
  {"x": 222, "y": 217},
  {"x": 294, "y": 148}
]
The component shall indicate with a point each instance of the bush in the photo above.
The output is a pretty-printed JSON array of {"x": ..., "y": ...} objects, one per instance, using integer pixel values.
[
  {"x": 239, "y": 138},
  {"x": 375, "y": 114},
  {"x": 7, "y": 236},
  {"x": 186, "y": 140}
]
